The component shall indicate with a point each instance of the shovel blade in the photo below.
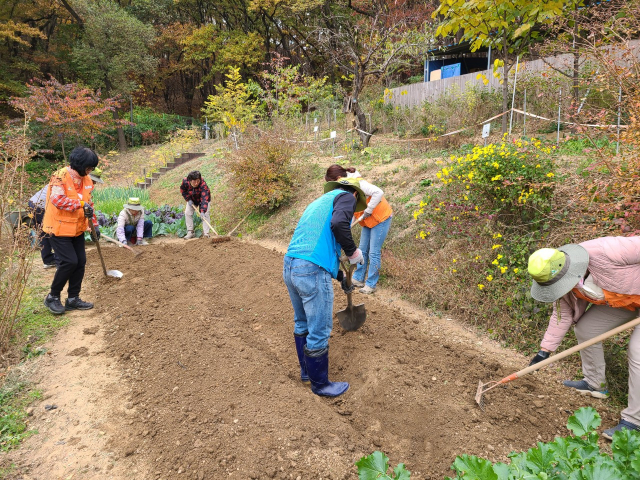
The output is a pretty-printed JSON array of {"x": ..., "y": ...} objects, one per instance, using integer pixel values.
[
  {"x": 352, "y": 318},
  {"x": 114, "y": 273}
]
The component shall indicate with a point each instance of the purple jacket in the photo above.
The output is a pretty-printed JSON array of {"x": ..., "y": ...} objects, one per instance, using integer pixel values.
[{"x": 614, "y": 264}]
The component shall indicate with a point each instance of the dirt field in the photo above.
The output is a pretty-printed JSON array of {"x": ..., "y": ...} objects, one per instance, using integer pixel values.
[{"x": 193, "y": 374}]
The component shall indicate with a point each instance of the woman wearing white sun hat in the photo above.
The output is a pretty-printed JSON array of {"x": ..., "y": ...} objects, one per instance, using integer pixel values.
[
  {"x": 596, "y": 287},
  {"x": 131, "y": 223}
]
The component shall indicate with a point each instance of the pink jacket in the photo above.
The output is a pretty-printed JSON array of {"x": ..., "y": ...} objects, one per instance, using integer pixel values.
[{"x": 614, "y": 263}]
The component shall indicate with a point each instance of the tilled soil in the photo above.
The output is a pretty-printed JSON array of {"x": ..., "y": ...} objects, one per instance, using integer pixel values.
[
  {"x": 200, "y": 336},
  {"x": 203, "y": 334}
]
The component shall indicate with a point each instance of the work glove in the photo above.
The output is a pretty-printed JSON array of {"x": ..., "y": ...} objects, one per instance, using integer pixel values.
[
  {"x": 139, "y": 241},
  {"x": 123, "y": 242},
  {"x": 88, "y": 210},
  {"x": 190, "y": 203},
  {"x": 365, "y": 215},
  {"x": 356, "y": 258},
  {"x": 97, "y": 229},
  {"x": 346, "y": 288},
  {"x": 540, "y": 356}
]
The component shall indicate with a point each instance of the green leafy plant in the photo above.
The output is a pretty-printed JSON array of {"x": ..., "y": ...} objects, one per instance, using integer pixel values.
[
  {"x": 375, "y": 466},
  {"x": 577, "y": 457}
]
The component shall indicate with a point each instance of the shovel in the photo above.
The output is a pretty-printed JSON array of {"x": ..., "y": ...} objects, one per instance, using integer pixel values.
[
  {"x": 485, "y": 387},
  {"x": 107, "y": 273},
  {"x": 354, "y": 316}
]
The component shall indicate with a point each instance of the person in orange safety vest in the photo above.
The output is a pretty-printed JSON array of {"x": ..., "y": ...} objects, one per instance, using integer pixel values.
[{"x": 67, "y": 211}]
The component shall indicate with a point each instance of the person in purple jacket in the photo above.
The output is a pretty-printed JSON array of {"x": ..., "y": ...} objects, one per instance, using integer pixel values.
[{"x": 595, "y": 287}]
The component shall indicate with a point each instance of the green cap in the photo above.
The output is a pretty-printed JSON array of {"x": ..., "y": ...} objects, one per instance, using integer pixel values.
[
  {"x": 546, "y": 263},
  {"x": 96, "y": 175}
]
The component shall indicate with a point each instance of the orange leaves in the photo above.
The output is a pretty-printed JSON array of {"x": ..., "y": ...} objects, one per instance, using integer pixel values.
[{"x": 67, "y": 110}]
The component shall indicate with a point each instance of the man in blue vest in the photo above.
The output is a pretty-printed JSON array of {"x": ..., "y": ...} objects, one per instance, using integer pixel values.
[{"x": 311, "y": 262}]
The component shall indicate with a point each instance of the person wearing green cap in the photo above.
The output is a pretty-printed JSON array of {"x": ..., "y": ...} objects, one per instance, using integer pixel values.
[
  {"x": 310, "y": 263},
  {"x": 131, "y": 223},
  {"x": 594, "y": 285},
  {"x": 96, "y": 176}
]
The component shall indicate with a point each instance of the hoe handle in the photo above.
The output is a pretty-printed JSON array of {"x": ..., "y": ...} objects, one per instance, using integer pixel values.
[
  {"x": 357, "y": 221},
  {"x": 205, "y": 221},
  {"x": 113, "y": 240},
  {"x": 570, "y": 351}
]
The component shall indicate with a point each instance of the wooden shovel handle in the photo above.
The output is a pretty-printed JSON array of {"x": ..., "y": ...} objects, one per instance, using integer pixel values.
[
  {"x": 571, "y": 350},
  {"x": 93, "y": 230}
]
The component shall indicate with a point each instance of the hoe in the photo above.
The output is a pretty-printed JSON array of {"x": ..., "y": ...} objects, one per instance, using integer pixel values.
[{"x": 485, "y": 387}]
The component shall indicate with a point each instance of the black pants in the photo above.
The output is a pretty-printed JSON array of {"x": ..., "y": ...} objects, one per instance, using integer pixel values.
[
  {"x": 48, "y": 258},
  {"x": 71, "y": 259}
]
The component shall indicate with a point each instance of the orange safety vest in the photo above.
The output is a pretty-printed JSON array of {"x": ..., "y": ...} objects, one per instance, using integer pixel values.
[
  {"x": 615, "y": 300},
  {"x": 380, "y": 214},
  {"x": 63, "y": 223}
]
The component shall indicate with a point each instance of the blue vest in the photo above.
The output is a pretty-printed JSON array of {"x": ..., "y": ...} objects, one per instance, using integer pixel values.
[{"x": 313, "y": 239}]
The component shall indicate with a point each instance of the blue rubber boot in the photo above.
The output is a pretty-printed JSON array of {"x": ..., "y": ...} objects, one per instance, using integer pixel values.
[
  {"x": 317, "y": 362},
  {"x": 301, "y": 341}
]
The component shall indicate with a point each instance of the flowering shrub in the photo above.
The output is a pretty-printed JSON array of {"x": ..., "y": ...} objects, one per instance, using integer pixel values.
[
  {"x": 489, "y": 207},
  {"x": 514, "y": 179}
]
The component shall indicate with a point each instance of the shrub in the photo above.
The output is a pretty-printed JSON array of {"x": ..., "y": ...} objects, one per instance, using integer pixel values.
[
  {"x": 263, "y": 173},
  {"x": 513, "y": 180}
]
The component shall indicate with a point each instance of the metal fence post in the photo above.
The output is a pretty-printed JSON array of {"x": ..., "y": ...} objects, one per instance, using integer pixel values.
[
  {"x": 524, "y": 118},
  {"x": 513, "y": 98},
  {"x": 559, "y": 107}
]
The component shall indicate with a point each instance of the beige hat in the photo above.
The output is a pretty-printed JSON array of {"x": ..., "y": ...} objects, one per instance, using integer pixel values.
[
  {"x": 354, "y": 183},
  {"x": 556, "y": 272},
  {"x": 134, "y": 204}
]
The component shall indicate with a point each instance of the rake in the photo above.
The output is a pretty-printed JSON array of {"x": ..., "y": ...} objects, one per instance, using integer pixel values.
[
  {"x": 218, "y": 238},
  {"x": 485, "y": 387}
]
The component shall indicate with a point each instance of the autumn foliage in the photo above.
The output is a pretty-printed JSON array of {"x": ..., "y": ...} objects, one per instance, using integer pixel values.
[{"x": 67, "y": 112}]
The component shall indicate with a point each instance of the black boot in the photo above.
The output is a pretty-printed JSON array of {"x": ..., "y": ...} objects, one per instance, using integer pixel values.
[
  {"x": 53, "y": 304},
  {"x": 301, "y": 341},
  {"x": 317, "y": 362},
  {"x": 75, "y": 303}
]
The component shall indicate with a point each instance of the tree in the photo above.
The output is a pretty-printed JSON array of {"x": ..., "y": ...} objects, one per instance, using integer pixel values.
[
  {"x": 66, "y": 111},
  {"x": 365, "y": 39},
  {"x": 286, "y": 91},
  {"x": 508, "y": 26},
  {"x": 113, "y": 52},
  {"x": 233, "y": 105}
]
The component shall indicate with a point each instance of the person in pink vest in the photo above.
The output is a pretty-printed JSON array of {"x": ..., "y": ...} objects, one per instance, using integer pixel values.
[{"x": 595, "y": 287}]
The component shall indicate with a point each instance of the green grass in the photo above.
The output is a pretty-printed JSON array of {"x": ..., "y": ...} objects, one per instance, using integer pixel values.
[
  {"x": 34, "y": 325},
  {"x": 15, "y": 396},
  {"x": 110, "y": 200},
  {"x": 34, "y": 320}
]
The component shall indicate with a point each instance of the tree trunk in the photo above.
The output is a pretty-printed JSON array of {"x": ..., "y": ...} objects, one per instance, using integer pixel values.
[
  {"x": 361, "y": 119},
  {"x": 122, "y": 141}
]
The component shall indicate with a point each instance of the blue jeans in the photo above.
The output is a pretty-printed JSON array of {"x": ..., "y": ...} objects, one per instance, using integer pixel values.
[
  {"x": 311, "y": 294},
  {"x": 130, "y": 230},
  {"x": 371, "y": 240}
]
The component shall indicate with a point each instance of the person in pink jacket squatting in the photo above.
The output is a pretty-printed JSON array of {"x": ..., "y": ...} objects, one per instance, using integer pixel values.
[{"x": 595, "y": 286}]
